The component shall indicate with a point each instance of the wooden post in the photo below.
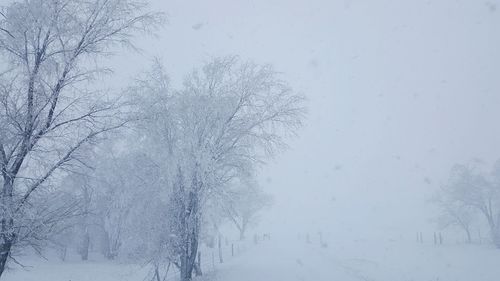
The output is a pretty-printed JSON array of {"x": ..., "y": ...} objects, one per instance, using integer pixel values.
[{"x": 232, "y": 250}]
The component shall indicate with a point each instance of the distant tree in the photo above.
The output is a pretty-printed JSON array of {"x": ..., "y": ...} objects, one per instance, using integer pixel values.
[
  {"x": 48, "y": 108},
  {"x": 455, "y": 214},
  {"x": 244, "y": 200},
  {"x": 84, "y": 193},
  {"x": 127, "y": 181},
  {"x": 491, "y": 208},
  {"x": 470, "y": 189}
]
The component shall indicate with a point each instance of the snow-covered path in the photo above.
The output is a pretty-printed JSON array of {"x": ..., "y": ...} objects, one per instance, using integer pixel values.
[{"x": 275, "y": 260}]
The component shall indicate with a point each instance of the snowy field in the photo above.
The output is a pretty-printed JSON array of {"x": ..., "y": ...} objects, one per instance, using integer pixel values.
[{"x": 294, "y": 259}]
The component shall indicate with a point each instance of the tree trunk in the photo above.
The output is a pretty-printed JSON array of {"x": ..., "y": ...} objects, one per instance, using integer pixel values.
[
  {"x": 219, "y": 245},
  {"x": 242, "y": 234},
  {"x": 5, "y": 248},
  {"x": 111, "y": 246},
  {"x": 495, "y": 237},
  {"x": 157, "y": 273},
  {"x": 190, "y": 249},
  {"x": 194, "y": 251},
  {"x": 494, "y": 231},
  {"x": 106, "y": 247},
  {"x": 114, "y": 249},
  {"x": 197, "y": 265},
  {"x": 7, "y": 235},
  {"x": 243, "y": 228},
  {"x": 186, "y": 268},
  {"x": 84, "y": 251},
  {"x": 189, "y": 222},
  {"x": 62, "y": 252}
]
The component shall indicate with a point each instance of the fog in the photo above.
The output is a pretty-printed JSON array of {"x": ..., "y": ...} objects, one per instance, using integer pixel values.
[{"x": 397, "y": 93}]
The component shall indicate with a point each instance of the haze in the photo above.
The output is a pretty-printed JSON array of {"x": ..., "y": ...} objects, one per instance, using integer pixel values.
[{"x": 397, "y": 94}]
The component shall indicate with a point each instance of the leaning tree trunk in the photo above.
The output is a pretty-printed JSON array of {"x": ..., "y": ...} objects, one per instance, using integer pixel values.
[
  {"x": 244, "y": 223},
  {"x": 469, "y": 237},
  {"x": 242, "y": 230}
]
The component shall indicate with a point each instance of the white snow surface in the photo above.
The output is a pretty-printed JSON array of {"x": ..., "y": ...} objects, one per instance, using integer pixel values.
[{"x": 293, "y": 259}]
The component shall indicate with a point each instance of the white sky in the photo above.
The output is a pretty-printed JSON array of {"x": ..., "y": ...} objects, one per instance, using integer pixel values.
[{"x": 398, "y": 92}]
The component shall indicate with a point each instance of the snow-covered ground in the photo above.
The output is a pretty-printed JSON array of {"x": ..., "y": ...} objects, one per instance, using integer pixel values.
[
  {"x": 293, "y": 259},
  {"x": 364, "y": 260},
  {"x": 53, "y": 269}
]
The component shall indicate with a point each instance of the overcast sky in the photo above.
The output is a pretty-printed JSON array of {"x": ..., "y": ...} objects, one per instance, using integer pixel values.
[{"x": 398, "y": 91}]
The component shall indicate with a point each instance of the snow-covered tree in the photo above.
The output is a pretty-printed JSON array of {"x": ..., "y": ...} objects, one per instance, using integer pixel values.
[
  {"x": 455, "y": 213},
  {"x": 469, "y": 188},
  {"x": 83, "y": 192},
  {"x": 243, "y": 201},
  {"x": 127, "y": 182},
  {"x": 48, "y": 108},
  {"x": 228, "y": 116}
]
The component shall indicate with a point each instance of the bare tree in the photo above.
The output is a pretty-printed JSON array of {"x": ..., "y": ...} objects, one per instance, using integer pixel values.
[{"x": 48, "y": 110}]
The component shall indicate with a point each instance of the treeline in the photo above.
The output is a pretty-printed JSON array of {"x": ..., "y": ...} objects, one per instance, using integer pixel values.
[{"x": 143, "y": 174}]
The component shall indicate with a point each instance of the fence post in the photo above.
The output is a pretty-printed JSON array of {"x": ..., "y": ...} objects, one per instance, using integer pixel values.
[{"x": 232, "y": 250}]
